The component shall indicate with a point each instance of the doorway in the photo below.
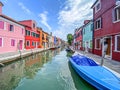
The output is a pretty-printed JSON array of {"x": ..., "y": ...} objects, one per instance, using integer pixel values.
[
  {"x": 20, "y": 44},
  {"x": 108, "y": 53}
]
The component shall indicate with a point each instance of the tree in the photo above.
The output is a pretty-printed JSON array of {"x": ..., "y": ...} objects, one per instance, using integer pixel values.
[{"x": 69, "y": 39}]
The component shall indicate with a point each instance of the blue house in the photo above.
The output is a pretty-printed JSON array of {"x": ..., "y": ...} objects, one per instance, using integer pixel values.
[
  {"x": 88, "y": 35},
  {"x": 55, "y": 41}
]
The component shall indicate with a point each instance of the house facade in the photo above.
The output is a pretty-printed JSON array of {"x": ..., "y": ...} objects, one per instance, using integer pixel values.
[
  {"x": 88, "y": 35},
  {"x": 11, "y": 34},
  {"x": 50, "y": 40},
  {"x": 45, "y": 39},
  {"x": 40, "y": 36},
  {"x": 106, "y": 15},
  {"x": 32, "y": 36},
  {"x": 55, "y": 41},
  {"x": 78, "y": 38}
]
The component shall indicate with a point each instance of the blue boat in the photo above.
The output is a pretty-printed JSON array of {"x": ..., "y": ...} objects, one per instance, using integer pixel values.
[{"x": 94, "y": 74}]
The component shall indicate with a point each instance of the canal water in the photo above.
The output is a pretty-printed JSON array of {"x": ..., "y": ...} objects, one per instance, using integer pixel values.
[{"x": 49, "y": 70}]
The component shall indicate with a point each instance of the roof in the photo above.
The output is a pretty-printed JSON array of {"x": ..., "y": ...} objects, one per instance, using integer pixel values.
[
  {"x": 6, "y": 17},
  {"x": 1, "y": 3},
  {"x": 45, "y": 32},
  {"x": 94, "y": 3}
]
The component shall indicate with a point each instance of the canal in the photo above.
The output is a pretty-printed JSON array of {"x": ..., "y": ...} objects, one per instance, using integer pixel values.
[{"x": 49, "y": 70}]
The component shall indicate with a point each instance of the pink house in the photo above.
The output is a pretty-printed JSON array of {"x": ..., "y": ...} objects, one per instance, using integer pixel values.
[{"x": 11, "y": 34}]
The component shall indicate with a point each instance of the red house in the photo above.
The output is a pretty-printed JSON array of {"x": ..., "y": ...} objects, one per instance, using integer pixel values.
[
  {"x": 106, "y": 15},
  {"x": 78, "y": 38},
  {"x": 32, "y": 38}
]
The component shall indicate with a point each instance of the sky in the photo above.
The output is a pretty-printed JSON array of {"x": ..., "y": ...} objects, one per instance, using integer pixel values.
[{"x": 57, "y": 16}]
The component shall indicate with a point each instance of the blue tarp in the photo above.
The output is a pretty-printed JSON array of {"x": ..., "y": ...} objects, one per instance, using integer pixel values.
[{"x": 83, "y": 61}]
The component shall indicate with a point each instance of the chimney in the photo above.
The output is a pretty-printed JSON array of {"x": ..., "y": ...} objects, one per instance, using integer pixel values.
[{"x": 1, "y": 5}]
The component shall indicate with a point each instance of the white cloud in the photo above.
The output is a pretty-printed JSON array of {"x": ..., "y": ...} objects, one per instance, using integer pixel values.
[
  {"x": 73, "y": 15},
  {"x": 5, "y": 1},
  {"x": 44, "y": 19},
  {"x": 24, "y": 8}
]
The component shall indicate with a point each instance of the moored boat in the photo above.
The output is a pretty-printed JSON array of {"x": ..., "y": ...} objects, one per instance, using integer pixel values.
[
  {"x": 53, "y": 48},
  {"x": 96, "y": 75}
]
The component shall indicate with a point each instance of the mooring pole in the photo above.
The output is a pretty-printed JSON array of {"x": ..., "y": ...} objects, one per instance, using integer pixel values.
[
  {"x": 102, "y": 60},
  {"x": 105, "y": 46}
]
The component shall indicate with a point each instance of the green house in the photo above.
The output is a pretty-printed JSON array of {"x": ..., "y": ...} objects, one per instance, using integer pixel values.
[{"x": 88, "y": 35}]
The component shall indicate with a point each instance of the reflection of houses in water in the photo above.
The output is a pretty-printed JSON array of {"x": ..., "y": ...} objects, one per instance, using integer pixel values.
[
  {"x": 11, "y": 75},
  {"x": 32, "y": 65},
  {"x": 29, "y": 61},
  {"x": 35, "y": 62}
]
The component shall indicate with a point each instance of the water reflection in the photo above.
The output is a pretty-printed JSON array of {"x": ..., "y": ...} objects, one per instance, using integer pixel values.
[
  {"x": 47, "y": 70},
  {"x": 11, "y": 74}
]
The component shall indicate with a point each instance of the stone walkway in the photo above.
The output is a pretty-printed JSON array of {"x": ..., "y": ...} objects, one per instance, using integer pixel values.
[
  {"x": 10, "y": 56},
  {"x": 110, "y": 64}
]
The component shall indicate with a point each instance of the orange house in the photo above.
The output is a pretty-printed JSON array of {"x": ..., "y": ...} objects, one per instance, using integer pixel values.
[{"x": 45, "y": 39}]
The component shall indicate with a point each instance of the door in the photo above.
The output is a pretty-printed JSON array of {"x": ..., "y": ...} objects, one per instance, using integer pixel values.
[
  {"x": 109, "y": 47},
  {"x": 20, "y": 44}
]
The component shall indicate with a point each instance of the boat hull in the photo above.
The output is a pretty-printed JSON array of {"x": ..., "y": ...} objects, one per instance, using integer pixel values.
[{"x": 97, "y": 76}]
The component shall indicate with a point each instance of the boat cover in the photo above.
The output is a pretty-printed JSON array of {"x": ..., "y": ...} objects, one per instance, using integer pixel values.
[
  {"x": 95, "y": 74},
  {"x": 83, "y": 61}
]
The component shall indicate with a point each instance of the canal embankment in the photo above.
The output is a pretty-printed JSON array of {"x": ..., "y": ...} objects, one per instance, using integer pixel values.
[{"x": 12, "y": 56}]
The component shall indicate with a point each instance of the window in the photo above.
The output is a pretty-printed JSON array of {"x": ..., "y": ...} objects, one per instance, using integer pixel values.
[
  {"x": 97, "y": 43},
  {"x": 12, "y": 42},
  {"x": 33, "y": 25},
  {"x": 1, "y": 25},
  {"x": 98, "y": 23},
  {"x": 33, "y": 34},
  {"x": 33, "y": 44},
  {"x": 1, "y": 42},
  {"x": 27, "y": 33},
  {"x": 117, "y": 43},
  {"x": 97, "y": 6},
  {"x": 116, "y": 14},
  {"x": 27, "y": 43},
  {"x": 11, "y": 28}
]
